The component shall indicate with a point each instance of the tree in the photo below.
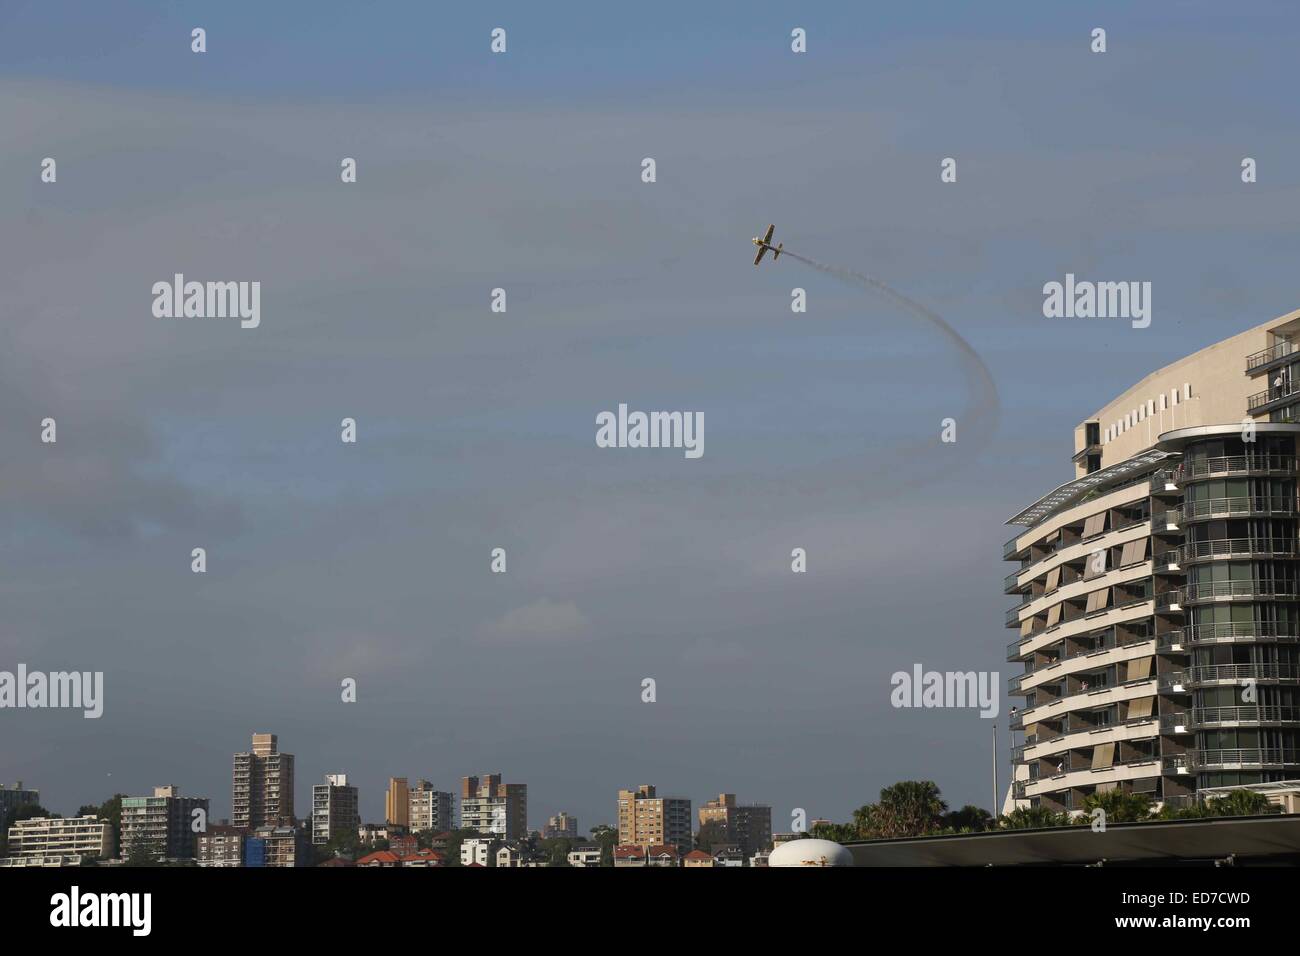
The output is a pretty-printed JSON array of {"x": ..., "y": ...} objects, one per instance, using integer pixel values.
[
  {"x": 1239, "y": 803},
  {"x": 1119, "y": 807},
  {"x": 908, "y": 808},
  {"x": 835, "y": 832},
  {"x": 1033, "y": 818},
  {"x": 556, "y": 850},
  {"x": 969, "y": 819},
  {"x": 606, "y": 837},
  {"x": 454, "y": 839}
]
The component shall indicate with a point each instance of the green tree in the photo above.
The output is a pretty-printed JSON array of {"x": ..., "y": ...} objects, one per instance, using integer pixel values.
[
  {"x": 1119, "y": 807},
  {"x": 835, "y": 832},
  {"x": 606, "y": 837},
  {"x": 1239, "y": 803},
  {"x": 969, "y": 819},
  {"x": 906, "y": 809},
  {"x": 1033, "y": 818}
]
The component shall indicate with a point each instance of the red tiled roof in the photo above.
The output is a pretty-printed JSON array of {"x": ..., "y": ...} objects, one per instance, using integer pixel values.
[
  {"x": 698, "y": 855},
  {"x": 379, "y": 856},
  {"x": 628, "y": 853},
  {"x": 662, "y": 849}
]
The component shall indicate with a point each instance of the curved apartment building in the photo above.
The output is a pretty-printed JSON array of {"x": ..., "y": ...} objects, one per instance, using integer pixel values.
[{"x": 1159, "y": 608}]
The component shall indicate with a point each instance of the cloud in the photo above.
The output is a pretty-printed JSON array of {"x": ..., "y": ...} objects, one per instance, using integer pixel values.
[{"x": 542, "y": 622}]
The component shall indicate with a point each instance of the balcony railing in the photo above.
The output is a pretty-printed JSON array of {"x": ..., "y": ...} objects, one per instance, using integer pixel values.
[
  {"x": 1263, "y": 357},
  {"x": 1246, "y": 505},
  {"x": 1237, "y": 547},
  {"x": 1220, "y": 589},
  {"x": 1272, "y": 394},
  {"x": 1229, "y": 633},
  {"x": 1212, "y": 673},
  {"x": 1245, "y": 757},
  {"x": 1197, "y": 468},
  {"x": 1244, "y": 714}
]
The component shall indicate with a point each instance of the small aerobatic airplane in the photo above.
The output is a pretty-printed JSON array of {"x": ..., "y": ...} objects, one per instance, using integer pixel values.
[{"x": 764, "y": 244}]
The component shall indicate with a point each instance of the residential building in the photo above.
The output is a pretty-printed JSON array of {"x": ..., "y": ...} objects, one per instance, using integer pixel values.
[
  {"x": 424, "y": 858},
  {"x": 479, "y": 850},
  {"x": 559, "y": 826},
  {"x": 277, "y": 847},
  {"x": 588, "y": 854},
  {"x": 397, "y": 803},
  {"x": 261, "y": 792},
  {"x": 629, "y": 855},
  {"x": 334, "y": 809},
  {"x": 1161, "y": 581},
  {"x": 697, "y": 858},
  {"x": 370, "y": 832},
  {"x": 725, "y": 821},
  {"x": 164, "y": 825},
  {"x": 63, "y": 838},
  {"x": 646, "y": 819},
  {"x": 380, "y": 858},
  {"x": 491, "y": 807},
  {"x": 728, "y": 854},
  {"x": 221, "y": 846},
  {"x": 431, "y": 809},
  {"x": 11, "y": 798},
  {"x": 663, "y": 855}
]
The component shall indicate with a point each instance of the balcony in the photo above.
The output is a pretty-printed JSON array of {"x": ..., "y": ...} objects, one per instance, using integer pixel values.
[
  {"x": 1237, "y": 548},
  {"x": 1233, "y": 507},
  {"x": 1250, "y": 757},
  {"x": 1216, "y": 590},
  {"x": 1239, "y": 633},
  {"x": 1271, "y": 397},
  {"x": 1216, "y": 673},
  {"x": 1231, "y": 465},
  {"x": 1011, "y": 582},
  {"x": 1013, "y": 649},
  {"x": 1163, "y": 481},
  {"x": 1244, "y": 715},
  {"x": 1258, "y": 361}
]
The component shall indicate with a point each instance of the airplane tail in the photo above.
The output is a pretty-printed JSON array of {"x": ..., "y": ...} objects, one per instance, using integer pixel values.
[{"x": 776, "y": 253}]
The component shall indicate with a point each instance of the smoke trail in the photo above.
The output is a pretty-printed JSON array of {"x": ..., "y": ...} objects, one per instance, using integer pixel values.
[{"x": 985, "y": 408}]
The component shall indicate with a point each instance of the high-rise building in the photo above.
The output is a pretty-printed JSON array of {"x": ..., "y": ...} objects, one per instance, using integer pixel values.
[
  {"x": 261, "y": 791},
  {"x": 490, "y": 806},
  {"x": 335, "y": 809},
  {"x": 561, "y": 825},
  {"x": 646, "y": 819},
  {"x": 397, "y": 803},
  {"x": 162, "y": 825},
  {"x": 58, "y": 841},
  {"x": 430, "y": 809},
  {"x": 723, "y": 821},
  {"x": 1158, "y": 591},
  {"x": 11, "y": 798}
]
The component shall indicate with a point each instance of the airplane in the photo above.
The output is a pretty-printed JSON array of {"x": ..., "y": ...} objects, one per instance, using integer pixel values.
[{"x": 765, "y": 243}]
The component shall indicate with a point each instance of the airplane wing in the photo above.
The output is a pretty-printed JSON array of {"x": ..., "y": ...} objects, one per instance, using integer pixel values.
[
  {"x": 770, "y": 229},
  {"x": 758, "y": 258}
]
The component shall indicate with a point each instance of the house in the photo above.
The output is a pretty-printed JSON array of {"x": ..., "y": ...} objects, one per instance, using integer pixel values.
[
  {"x": 697, "y": 858},
  {"x": 729, "y": 854},
  {"x": 663, "y": 855},
  {"x": 423, "y": 858},
  {"x": 380, "y": 858},
  {"x": 586, "y": 854},
  {"x": 629, "y": 855}
]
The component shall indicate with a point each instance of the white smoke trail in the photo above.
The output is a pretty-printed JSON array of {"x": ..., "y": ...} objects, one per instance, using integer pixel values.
[{"x": 985, "y": 407}]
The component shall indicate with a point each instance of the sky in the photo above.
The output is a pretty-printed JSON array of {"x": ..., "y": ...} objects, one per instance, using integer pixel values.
[{"x": 476, "y": 429}]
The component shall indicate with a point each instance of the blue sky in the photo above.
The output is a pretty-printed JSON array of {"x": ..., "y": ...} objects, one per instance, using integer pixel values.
[{"x": 522, "y": 171}]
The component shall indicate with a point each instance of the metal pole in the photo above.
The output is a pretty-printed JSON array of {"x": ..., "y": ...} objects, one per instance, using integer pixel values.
[{"x": 995, "y": 769}]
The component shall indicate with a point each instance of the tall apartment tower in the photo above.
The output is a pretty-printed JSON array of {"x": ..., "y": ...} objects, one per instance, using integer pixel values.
[
  {"x": 397, "y": 803},
  {"x": 646, "y": 819},
  {"x": 1158, "y": 614},
  {"x": 261, "y": 792},
  {"x": 335, "y": 809},
  {"x": 492, "y": 807},
  {"x": 431, "y": 810},
  {"x": 161, "y": 825},
  {"x": 747, "y": 826}
]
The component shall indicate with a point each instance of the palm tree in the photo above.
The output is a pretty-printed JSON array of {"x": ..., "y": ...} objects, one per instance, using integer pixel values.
[
  {"x": 1119, "y": 807},
  {"x": 1033, "y": 818},
  {"x": 1239, "y": 803},
  {"x": 908, "y": 808}
]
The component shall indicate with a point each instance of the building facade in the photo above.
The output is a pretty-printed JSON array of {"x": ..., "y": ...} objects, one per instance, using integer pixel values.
[
  {"x": 724, "y": 821},
  {"x": 397, "y": 803},
  {"x": 65, "y": 839},
  {"x": 430, "y": 809},
  {"x": 221, "y": 846},
  {"x": 261, "y": 792},
  {"x": 335, "y": 809},
  {"x": 561, "y": 825},
  {"x": 163, "y": 826},
  {"x": 1158, "y": 614},
  {"x": 11, "y": 798},
  {"x": 491, "y": 807},
  {"x": 646, "y": 819},
  {"x": 277, "y": 847}
]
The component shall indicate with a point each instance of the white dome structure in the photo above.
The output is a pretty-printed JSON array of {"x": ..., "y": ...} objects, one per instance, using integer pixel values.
[{"x": 810, "y": 853}]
